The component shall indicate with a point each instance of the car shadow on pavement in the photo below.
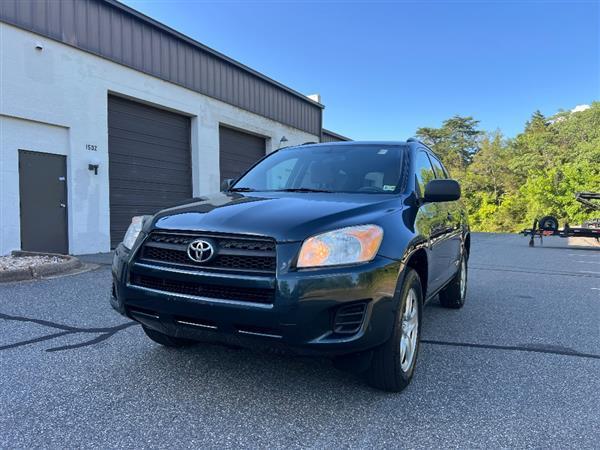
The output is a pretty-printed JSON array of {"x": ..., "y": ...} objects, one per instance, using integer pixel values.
[
  {"x": 243, "y": 372},
  {"x": 213, "y": 360},
  {"x": 102, "y": 333}
]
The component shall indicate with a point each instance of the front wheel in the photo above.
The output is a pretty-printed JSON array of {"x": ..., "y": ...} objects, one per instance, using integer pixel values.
[{"x": 393, "y": 363}]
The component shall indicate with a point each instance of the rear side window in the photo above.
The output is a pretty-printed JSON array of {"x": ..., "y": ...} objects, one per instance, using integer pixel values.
[{"x": 423, "y": 171}]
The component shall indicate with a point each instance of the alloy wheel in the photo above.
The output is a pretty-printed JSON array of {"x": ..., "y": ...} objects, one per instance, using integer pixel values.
[{"x": 410, "y": 329}]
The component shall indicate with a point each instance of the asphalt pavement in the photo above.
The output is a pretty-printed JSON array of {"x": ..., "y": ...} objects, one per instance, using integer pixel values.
[{"x": 518, "y": 366}]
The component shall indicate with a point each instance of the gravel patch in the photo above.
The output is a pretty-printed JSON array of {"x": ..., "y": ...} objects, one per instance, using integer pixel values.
[{"x": 24, "y": 262}]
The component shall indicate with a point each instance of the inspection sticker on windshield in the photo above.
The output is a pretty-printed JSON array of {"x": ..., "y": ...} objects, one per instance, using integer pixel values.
[
  {"x": 383, "y": 151},
  {"x": 389, "y": 187}
]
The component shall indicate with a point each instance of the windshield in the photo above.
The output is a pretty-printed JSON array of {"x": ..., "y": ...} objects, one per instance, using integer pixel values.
[{"x": 335, "y": 168}]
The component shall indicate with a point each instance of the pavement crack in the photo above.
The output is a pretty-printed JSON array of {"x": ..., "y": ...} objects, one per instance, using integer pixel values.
[
  {"x": 104, "y": 333},
  {"x": 553, "y": 350}
]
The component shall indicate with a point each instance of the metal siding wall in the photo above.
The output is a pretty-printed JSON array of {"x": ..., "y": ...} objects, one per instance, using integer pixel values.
[
  {"x": 326, "y": 137},
  {"x": 114, "y": 34}
]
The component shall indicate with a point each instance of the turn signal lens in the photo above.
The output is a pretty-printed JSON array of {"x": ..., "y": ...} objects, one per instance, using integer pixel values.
[{"x": 344, "y": 246}]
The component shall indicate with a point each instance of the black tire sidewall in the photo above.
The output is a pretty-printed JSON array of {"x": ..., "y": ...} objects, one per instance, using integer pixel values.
[
  {"x": 386, "y": 371},
  {"x": 411, "y": 280},
  {"x": 548, "y": 223},
  {"x": 451, "y": 296},
  {"x": 464, "y": 260}
]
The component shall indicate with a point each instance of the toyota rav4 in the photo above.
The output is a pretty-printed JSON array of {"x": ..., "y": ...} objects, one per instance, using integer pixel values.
[{"x": 328, "y": 249}]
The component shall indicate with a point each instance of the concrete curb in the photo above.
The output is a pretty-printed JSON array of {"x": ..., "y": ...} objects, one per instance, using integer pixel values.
[{"x": 43, "y": 270}]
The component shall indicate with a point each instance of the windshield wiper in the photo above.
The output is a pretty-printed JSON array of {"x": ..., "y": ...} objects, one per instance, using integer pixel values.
[
  {"x": 302, "y": 190},
  {"x": 242, "y": 189}
]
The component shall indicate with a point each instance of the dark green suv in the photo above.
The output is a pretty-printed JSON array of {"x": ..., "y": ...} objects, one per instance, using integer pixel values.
[{"x": 327, "y": 249}]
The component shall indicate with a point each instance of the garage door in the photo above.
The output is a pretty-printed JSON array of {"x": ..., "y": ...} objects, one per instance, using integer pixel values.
[
  {"x": 149, "y": 161},
  {"x": 238, "y": 151}
]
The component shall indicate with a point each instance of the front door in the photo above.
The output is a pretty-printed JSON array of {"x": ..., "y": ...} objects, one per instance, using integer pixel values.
[
  {"x": 43, "y": 195},
  {"x": 451, "y": 244},
  {"x": 431, "y": 222}
]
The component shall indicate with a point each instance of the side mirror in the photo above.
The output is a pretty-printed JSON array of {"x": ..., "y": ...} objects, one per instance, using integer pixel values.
[
  {"x": 441, "y": 191},
  {"x": 226, "y": 184}
]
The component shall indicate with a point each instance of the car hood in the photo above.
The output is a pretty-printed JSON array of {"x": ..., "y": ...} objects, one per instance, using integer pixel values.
[{"x": 283, "y": 216}]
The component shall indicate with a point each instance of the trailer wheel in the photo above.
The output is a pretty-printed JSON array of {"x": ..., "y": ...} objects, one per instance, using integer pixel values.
[{"x": 548, "y": 223}]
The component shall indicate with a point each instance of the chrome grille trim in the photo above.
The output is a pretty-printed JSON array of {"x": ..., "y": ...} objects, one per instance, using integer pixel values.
[
  {"x": 194, "y": 324},
  {"x": 200, "y": 273},
  {"x": 203, "y": 299},
  {"x": 256, "y": 333}
]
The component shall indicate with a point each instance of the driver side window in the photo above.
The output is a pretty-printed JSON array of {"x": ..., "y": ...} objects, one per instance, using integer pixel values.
[{"x": 423, "y": 172}]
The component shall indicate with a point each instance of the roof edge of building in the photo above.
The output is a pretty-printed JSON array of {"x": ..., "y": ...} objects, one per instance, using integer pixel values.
[
  {"x": 141, "y": 16},
  {"x": 336, "y": 135}
]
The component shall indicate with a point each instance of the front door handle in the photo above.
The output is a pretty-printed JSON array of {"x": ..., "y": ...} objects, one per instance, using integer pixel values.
[{"x": 62, "y": 205}]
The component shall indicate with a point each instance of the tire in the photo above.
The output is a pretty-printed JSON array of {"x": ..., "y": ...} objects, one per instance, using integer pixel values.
[
  {"x": 390, "y": 368},
  {"x": 167, "y": 341},
  {"x": 548, "y": 223},
  {"x": 454, "y": 294}
]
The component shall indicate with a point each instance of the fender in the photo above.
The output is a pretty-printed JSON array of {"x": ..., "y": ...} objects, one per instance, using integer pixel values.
[{"x": 418, "y": 242}]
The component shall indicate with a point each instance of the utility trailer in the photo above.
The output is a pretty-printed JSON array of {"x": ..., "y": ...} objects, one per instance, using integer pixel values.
[{"x": 548, "y": 225}]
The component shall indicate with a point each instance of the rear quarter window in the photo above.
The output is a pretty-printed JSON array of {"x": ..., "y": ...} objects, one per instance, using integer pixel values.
[{"x": 438, "y": 167}]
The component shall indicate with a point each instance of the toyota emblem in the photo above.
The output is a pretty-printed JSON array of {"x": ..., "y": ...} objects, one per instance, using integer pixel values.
[{"x": 200, "y": 251}]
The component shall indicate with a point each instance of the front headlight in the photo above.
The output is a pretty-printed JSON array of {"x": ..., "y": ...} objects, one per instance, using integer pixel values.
[
  {"x": 344, "y": 246},
  {"x": 134, "y": 230}
]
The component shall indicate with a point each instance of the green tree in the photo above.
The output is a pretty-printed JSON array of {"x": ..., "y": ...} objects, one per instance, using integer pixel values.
[
  {"x": 456, "y": 142},
  {"x": 507, "y": 183}
]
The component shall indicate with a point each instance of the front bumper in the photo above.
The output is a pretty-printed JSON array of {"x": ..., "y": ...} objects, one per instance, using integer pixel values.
[{"x": 301, "y": 316}]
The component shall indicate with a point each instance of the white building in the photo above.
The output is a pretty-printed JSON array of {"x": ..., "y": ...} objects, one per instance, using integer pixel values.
[{"x": 106, "y": 114}]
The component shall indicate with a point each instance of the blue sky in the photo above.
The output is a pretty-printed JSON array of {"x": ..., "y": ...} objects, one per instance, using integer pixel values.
[{"x": 385, "y": 68}]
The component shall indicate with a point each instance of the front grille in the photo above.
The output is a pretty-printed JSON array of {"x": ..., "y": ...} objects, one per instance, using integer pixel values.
[
  {"x": 247, "y": 245},
  {"x": 233, "y": 253},
  {"x": 349, "y": 318},
  {"x": 224, "y": 292},
  {"x": 241, "y": 243}
]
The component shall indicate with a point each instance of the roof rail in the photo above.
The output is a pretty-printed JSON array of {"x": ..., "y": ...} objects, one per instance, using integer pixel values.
[{"x": 414, "y": 139}]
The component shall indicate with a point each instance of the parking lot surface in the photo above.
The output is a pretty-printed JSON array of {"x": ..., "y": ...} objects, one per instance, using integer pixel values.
[{"x": 518, "y": 366}]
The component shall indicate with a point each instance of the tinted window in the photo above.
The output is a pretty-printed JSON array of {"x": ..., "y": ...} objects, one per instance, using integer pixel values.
[
  {"x": 336, "y": 168},
  {"x": 440, "y": 170},
  {"x": 423, "y": 171},
  {"x": 279, "y": 175}
]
